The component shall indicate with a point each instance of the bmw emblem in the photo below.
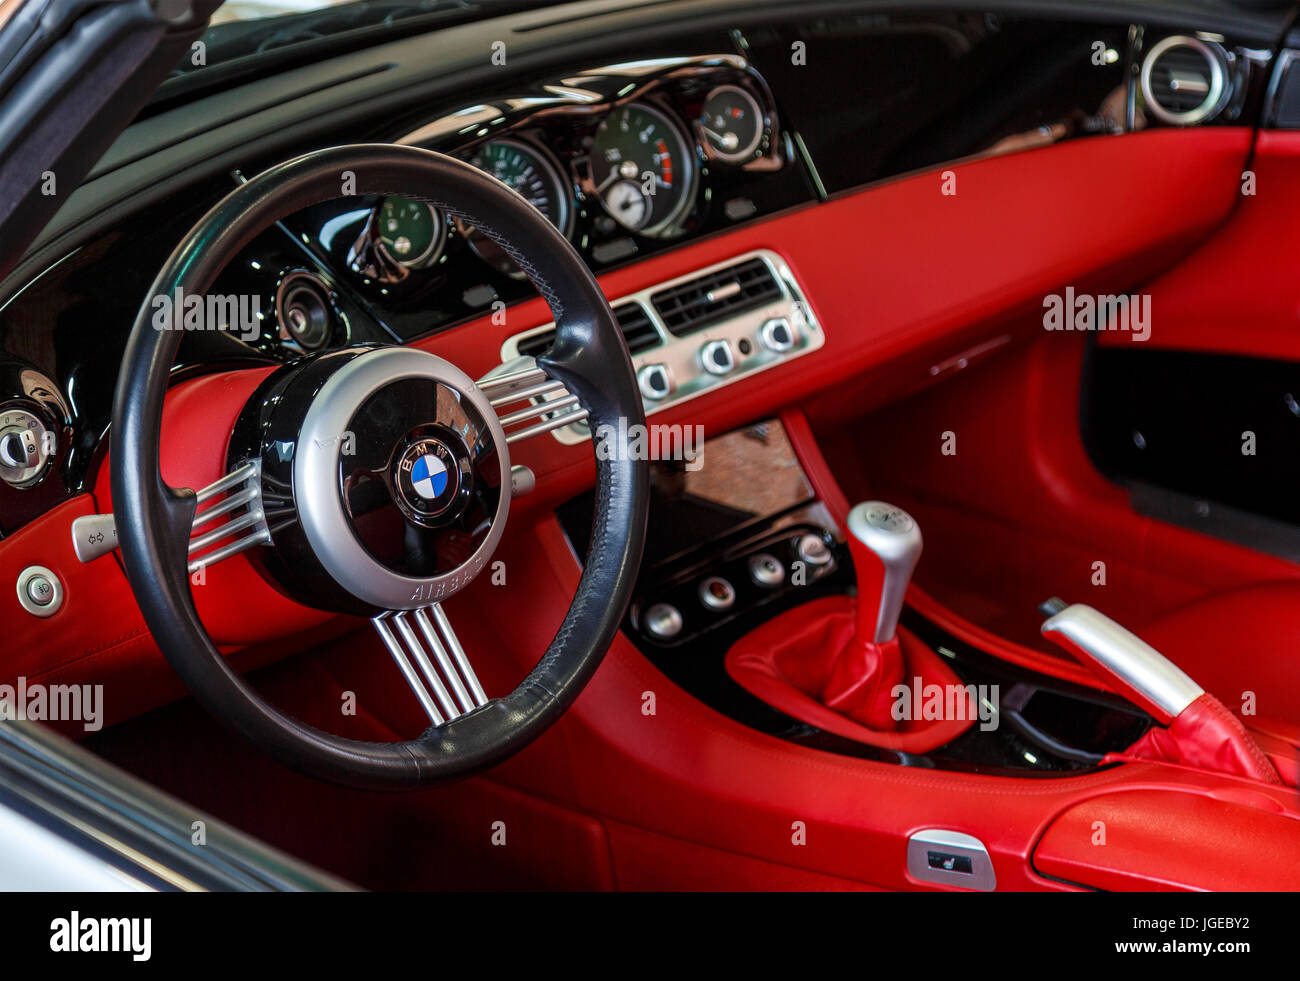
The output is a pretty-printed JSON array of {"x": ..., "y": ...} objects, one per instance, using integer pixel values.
[{"x": 428, "y": 477}]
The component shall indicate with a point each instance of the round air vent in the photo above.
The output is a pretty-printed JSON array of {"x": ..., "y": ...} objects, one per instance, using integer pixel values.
[{"x": 1185, "y": 80}]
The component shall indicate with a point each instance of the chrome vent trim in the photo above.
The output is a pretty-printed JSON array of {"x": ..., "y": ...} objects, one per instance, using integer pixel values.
[
  {"x": 697, "y": 303},
  {"x": 742, "y": 326},
  {"x": 1185, "y": 80}
]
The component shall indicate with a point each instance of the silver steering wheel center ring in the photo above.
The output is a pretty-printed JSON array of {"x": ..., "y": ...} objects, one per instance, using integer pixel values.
[{"x": 427, "y": 473}]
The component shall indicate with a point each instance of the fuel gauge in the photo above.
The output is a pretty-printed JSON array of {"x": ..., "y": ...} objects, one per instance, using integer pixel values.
[{"x": 732, "y": 124}]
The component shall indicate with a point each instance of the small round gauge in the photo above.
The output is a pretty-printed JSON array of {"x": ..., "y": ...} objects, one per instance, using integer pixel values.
[
  {"x": 536, "y": 178},
  {"x": 732, "y": 124},
  {"x": 643, "y": 169},
  {"x": 410, "y": 232}
]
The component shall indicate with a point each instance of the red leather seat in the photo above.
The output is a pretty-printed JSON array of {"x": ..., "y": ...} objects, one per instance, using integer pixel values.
[{"x": 1239, "y": 644}]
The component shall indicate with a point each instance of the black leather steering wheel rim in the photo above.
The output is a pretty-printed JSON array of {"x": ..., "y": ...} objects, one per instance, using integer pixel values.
[{"x": 589, "y": 355}]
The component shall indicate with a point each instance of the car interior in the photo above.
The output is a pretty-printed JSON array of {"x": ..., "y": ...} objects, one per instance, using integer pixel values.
[{"x": 689, "y": 445}]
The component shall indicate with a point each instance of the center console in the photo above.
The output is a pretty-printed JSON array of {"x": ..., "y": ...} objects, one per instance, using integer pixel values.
[{"x": 738, "y": 537}]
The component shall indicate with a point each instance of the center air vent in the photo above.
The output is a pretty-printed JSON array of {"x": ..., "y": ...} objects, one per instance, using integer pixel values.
[
  {"x": 1185, "y": 80},
  {"x": 638, "y": 331},
  {"x": 696, "y": 304}
]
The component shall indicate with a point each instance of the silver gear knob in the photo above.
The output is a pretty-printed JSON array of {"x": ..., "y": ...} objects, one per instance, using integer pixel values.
[{"x": 886, "y": 543}]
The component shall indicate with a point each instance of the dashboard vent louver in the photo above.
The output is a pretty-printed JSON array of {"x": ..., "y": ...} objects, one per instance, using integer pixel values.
[
  {"x": 694, "y": 305},
  {"x": 635, "y": 323},
  {"x": 639, "y": 331},
  {"x": 1184, "y": 80}
]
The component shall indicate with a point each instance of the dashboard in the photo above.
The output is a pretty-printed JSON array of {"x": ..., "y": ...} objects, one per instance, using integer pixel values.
[{"x": 749, "y": 117}]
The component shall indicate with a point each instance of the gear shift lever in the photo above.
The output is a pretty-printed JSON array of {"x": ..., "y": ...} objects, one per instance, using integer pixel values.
[
  {"x": 838, "y": 662},
  {"x": 885, "y": 543}
]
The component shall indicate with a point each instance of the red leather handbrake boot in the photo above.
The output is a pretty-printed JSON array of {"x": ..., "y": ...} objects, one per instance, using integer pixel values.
[
  {"x": 1193, "y": 727},
  {"x": 844, "y": 666},
  {"x": 1208, "y": 736}
]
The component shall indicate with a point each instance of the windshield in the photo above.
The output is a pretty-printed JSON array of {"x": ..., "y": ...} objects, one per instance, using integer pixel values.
[{"x": 249, "y": 34}]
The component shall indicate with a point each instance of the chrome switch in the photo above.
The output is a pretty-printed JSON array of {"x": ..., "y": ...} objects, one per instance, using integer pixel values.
[
  {"x": 778, "y": 335},
  {"x": 717, "y": 358},
  {"x": 654, "y": 381},
  {"x": 93, "y": 535}
]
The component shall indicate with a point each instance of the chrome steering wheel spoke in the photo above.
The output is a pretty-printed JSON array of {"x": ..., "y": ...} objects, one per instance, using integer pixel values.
[
  {"x": 432, "y": 661},
  {"x": 529, "y": 402},
  {"x": 234, "y": 519}
]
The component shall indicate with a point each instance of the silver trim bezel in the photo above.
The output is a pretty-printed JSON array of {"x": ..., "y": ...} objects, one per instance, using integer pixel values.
[
  {"x": 30, "y": 605},
  {"x": 690, "y": 186},
  {"x": 680, "y": 355},
  {"x": 736, "y": 156},
  {"x": 430, "y": 255},
  {"x": 319, "y": 499},
  {"x": 1214, "y": 100},
  {"x": 981, "y": 877}
]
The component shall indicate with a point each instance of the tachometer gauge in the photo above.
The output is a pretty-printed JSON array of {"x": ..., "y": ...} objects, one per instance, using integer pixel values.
[
  {"x": 411, "y": 232},
  {"x": 643, "y": 169},
  {"x": 732, "y": 124},
  {"x": 531, "y": 173}
]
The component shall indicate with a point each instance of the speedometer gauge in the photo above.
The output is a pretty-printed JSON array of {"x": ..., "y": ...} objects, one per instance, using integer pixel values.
[
  {"x": 523, "y": 169},
  {"x": 643, "y": 169},
  {"x": 531, "y": 173}
]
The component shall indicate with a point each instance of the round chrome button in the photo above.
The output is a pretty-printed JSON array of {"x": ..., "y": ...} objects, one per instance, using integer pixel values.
[
  {"x": 717, "y": 594},
  {"x": 766, "y": 570},
  {"x": 717, "y": 358},
  {"x": 39, "y": 591},
  {"x": 812, "y": 549},
  {"x": 777, "y": 335},
  {"x": 654, "y": 382},
  {"x": 663, "y": 620}
]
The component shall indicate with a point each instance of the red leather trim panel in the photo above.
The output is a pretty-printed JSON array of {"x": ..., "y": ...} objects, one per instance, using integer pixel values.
[
  {"x": 1238, "y": 293},
  {"x": 1018, "y": 513},
  {"x": 1162, "y": 840}
]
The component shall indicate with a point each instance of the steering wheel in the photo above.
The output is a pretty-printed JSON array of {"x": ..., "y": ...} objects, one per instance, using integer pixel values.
[{"x": 377, "y": 481}]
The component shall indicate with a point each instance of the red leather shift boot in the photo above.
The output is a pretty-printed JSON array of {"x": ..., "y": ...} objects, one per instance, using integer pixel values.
[
  {"x": 862, "y": 680},
  {"x": 808, "y": 663}
]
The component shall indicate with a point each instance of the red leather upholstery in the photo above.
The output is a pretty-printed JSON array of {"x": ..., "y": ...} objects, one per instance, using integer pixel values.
[
  {"x": 806, "y": 663},
  {"x": 1208, "y": 736},
  {"x": 1242, "y": 646},
  {"x": 1165, "y": 840}
]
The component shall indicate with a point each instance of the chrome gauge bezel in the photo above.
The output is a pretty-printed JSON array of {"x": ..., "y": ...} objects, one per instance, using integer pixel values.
[
  {"x": 672, "y": 221},
  {"x": 747, "y": 153},
  {"x": 430, "y": 255}
]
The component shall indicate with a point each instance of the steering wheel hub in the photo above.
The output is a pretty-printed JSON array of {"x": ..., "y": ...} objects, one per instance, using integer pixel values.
[{"x": 397, "y": 472}]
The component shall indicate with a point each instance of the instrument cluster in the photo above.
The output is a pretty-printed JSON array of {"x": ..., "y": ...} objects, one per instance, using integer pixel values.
[{"x": 624, "y": 160}]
